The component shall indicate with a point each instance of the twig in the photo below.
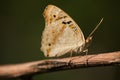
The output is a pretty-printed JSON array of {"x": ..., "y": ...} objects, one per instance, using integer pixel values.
[{"x": 25, "y": 70}]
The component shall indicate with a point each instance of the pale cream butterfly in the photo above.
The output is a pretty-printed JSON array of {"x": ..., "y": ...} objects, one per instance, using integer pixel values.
[{"x": 61, "y": 34}]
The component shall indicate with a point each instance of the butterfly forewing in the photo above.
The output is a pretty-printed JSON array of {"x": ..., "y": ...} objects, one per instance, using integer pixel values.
[{"x": 61, "y": 34}]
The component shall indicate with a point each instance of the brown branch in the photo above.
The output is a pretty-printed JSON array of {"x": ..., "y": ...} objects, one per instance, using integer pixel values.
[{"x": 45, "y": 66}]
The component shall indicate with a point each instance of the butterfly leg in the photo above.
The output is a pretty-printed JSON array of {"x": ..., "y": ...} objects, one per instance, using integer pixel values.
[
  {"x": 70, "y": 53},
  {"x": 86, "y": 52},
  {"x": 70, "y": 59}
]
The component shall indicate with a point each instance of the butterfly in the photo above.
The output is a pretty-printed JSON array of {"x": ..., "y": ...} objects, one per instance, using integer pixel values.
[{"x": 61, "y": 34}]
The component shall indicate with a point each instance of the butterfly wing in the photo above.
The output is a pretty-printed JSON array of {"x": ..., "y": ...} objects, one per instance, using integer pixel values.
[{"x": 61, "y": 34}]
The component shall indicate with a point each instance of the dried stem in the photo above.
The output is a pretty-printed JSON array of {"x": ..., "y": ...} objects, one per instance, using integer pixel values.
[{"x": 25, "y": 70}]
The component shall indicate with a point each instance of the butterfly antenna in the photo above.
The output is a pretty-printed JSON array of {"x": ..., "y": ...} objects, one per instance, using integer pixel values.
[{"x": 95, "y": 28}]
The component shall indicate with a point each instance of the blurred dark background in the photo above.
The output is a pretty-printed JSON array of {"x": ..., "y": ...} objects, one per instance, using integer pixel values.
[{"x": 21, "y": 25}]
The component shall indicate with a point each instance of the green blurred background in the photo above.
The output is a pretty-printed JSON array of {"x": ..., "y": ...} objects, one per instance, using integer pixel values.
[{"x": 21, "y": 25}]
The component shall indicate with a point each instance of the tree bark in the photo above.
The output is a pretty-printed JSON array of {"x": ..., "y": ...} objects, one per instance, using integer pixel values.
[{"x": 26, "y": 70}]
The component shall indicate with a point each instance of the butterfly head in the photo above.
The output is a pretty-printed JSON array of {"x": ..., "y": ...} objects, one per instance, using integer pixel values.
[
  {"x": 89, "y": 38},
  {"x": 88, "y": 41}
]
